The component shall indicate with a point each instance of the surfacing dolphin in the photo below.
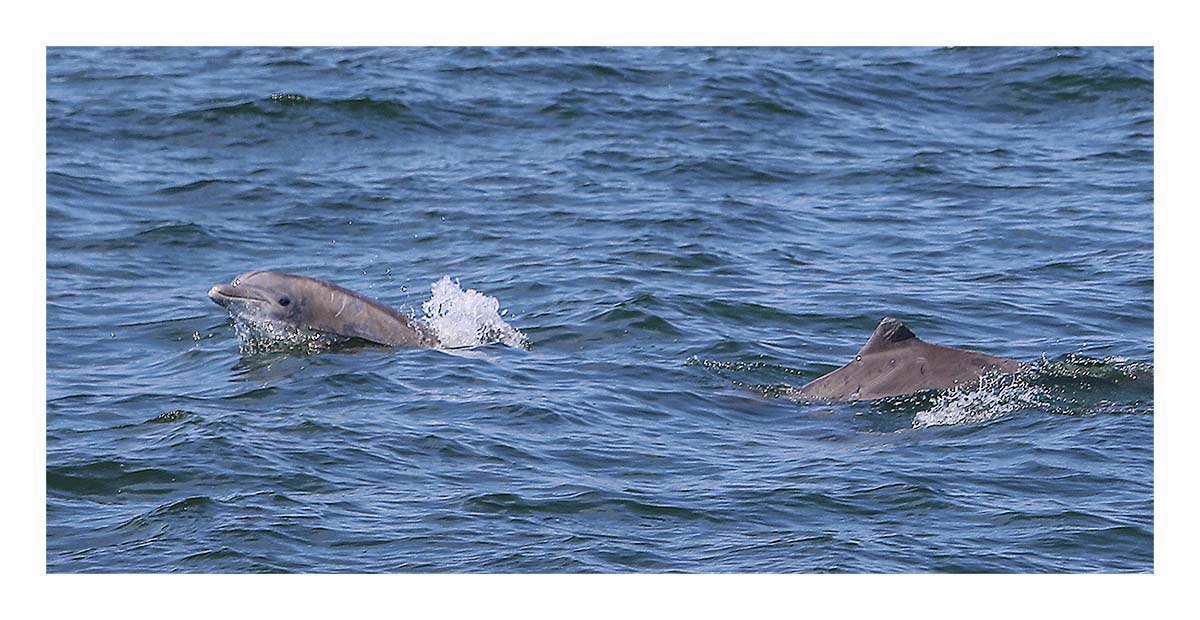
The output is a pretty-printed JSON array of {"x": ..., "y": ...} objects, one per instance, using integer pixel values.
[
  {"x": 289, "y": 301},
  {"x": 895, "y": 362}
]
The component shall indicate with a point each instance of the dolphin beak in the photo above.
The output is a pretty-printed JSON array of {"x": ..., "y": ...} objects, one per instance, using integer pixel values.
[
  {"x": 225, "y": 294},
  {"x": 218, "y": 295}
]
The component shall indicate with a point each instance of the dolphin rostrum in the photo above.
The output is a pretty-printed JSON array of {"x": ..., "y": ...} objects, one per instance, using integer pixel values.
[
  {"x": 895, "y": 362},
  {"x": 313, "y": 306}
]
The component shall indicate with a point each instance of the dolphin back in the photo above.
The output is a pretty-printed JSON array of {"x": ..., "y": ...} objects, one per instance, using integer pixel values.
[
  {"x": 895, "y": 362},
  {"x": 356, "y": 316},
  {"x": 329, "y": 308}
]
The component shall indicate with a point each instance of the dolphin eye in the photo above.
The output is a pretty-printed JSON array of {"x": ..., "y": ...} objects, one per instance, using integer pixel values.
[{"x": 283, "y": 301}]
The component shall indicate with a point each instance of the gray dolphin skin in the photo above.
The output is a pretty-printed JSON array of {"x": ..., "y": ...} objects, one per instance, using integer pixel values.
[
  {"x": 294, "y": 301},
  {"x": 895, "y": 362}
]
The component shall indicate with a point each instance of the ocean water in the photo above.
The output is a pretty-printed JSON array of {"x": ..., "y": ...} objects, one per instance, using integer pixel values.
[{"x": 643, "y": 251}]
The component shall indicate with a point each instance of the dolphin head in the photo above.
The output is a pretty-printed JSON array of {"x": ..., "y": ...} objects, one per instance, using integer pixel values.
[{"x": 264, "y": 296}]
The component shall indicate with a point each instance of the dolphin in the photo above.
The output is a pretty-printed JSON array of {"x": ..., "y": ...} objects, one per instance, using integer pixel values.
[
  {"x": 895, "y": 362},
  {"x": 290, "y": 301}
]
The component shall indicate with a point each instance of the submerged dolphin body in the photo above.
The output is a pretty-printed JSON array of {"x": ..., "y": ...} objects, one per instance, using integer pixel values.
[
  {"x": 289, "y": 301},
  {"x": 895, "y": 362}
]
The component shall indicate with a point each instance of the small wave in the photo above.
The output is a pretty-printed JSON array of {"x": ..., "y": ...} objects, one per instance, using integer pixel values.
[
  {"x": 636, "y": 314},
  {"x": 187, "y": 234},
  {"x": 108, "y": 478},
  {"x": 380, "y": 108},
  {"x": 583, "y": 502},
  {"x": 220, "y": 112},
  {"x": 764, "y": 108},
  {"x": 468, "y": 318},
  {"x": 192, "y": 186},
  {"x": 724, "y": 168},
  {"x": 1079, "y": 88},
  {"x": 177, "y": 235},
  {"x": 188, "y": 504},
  {"x": 295, "y": 105},
  {"x": 62, "y": 184}
]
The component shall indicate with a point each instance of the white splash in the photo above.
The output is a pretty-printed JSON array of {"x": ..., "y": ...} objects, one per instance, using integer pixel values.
[
  {"x": 259, "y": 337},
  {"x": 995, "y": 395},
  {"x": 467, "y": 318}
]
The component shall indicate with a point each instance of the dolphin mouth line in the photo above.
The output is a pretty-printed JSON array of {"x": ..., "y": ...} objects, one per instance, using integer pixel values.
[
  {"x": 223, "y": 293},
  {"x": 228, "y": 296}
]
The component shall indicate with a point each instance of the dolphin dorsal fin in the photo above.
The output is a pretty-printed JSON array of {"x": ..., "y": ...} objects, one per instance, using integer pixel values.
[{"x": 890, "y": 333}]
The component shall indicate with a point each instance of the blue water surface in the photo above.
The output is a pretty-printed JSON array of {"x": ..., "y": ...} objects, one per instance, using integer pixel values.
[{"x": 683, "y": 235}]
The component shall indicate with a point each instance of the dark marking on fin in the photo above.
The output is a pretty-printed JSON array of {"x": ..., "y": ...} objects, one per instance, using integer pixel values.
[{"x": 890, "y": 333}]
